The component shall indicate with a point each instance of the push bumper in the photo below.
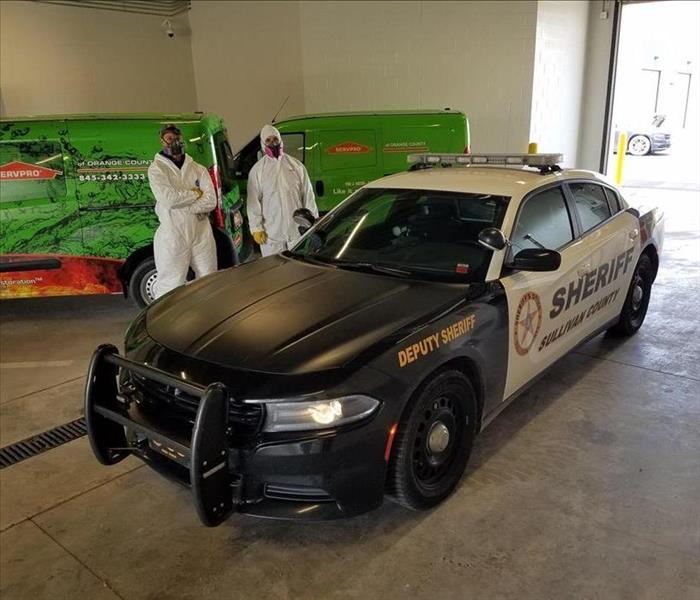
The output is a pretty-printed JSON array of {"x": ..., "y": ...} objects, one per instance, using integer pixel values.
[
  {"x": 205, "y": 457},
  {"x": 326, "y": 476}
]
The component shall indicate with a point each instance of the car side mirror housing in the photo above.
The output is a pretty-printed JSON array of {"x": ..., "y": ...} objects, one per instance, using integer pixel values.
[
  {"x": 536, "y": 259},
  {"x": 304, "y": 218},
  {"x": 492, "y": 238}
]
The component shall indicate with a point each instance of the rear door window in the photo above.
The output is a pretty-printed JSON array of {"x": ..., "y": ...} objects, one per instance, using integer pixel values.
[
  {"x": 613, "y": 200},
  {"x": 543, "y": 222},
  {"x": 591, "y": 204}
]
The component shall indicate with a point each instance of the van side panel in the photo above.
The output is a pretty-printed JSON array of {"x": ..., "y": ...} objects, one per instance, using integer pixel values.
[
  {"x": 75, "y": 200},
  {"x": 354, "y": 149},
  {"x": 41, "y": 246},
  {"x": 112, "y": 190}
]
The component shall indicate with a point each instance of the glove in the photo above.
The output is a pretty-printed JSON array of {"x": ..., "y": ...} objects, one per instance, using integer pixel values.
[
  {"x": 198, "y": 191},
  {"x": 260, "y": 237}
]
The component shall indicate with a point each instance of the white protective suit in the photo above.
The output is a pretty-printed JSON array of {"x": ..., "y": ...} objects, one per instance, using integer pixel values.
[
  {"x": 184, "y": 237},
  {"x": 276, "y": 188}
]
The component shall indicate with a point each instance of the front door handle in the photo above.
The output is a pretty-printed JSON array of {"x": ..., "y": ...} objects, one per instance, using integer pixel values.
[
  {"x": 319, "y": 188},
  {"x": 633, "y": 234},
  {"x": 584, "y": 269}
]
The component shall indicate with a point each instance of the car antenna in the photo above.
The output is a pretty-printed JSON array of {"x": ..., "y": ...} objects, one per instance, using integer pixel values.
[{"x": 280, "y": 110}]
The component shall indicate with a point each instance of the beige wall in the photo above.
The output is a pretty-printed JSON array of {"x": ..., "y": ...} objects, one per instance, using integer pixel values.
[
  {"x": 558, "y": 79},
  {"x": 57, "y": 59},
  {"x": 473, "y": 56},
  {"x": 248, "y": 58},
  {"x": 599, "y": 40},
  {"x": 479, "y": 57}
]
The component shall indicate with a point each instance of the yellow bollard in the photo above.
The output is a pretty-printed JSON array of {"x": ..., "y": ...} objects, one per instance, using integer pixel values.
[
  {"x": 621, "y": 153},
  {"x": 532, "y": 148}
]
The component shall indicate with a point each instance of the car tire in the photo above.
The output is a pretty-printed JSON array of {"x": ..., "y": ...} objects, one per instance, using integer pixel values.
[
  {"x": 142, "y": 282},
  {"x": 636, "y": 303},
  {"x": 639, "y": 145},
  {"x": 433, "y": 441}
]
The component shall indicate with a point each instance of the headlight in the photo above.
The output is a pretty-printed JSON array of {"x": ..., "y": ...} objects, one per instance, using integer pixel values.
[{"x": 316, "y": 414}]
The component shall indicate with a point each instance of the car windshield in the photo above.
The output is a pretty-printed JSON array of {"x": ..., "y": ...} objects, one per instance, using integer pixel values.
[{"x": 403, "y": 232}]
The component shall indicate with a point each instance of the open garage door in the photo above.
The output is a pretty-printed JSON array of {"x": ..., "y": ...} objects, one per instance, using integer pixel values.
[{"x": 655, "y": 99}]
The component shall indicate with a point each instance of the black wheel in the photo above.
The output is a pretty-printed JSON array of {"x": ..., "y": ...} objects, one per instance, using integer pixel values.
[
  {"x": 639, "y": 145},
  {"x": 433, "y": 442},
  {"x": 635, "y": 308},
  {"x": 142, "y": 282}
]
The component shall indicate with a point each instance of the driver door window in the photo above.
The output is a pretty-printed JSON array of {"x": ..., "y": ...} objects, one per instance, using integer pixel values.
[{"x": 543, "y": 222}]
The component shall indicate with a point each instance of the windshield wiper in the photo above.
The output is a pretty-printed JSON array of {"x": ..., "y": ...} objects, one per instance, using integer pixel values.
[
  {"x": 305, "y": 258},
  {"x": 371, "y": 267}
]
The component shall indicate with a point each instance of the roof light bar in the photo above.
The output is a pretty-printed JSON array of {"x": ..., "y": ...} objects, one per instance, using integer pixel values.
[{"x": 528, "y": 160}]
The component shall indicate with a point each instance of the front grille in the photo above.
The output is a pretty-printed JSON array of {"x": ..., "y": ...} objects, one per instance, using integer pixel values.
[{"x": 243, "y": 419}]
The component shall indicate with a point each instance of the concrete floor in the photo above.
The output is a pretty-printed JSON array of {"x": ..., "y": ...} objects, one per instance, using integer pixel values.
[{"x": 586, "y": 487}]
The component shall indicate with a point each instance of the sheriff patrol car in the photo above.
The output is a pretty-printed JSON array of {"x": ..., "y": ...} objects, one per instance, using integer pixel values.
[{"x": 364, "y": 361}]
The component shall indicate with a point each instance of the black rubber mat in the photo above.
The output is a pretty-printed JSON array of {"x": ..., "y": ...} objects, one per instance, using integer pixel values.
[{"x": 19, "y": 451}]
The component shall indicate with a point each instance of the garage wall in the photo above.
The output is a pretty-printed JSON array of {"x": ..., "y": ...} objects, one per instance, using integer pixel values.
[
  {"x": 599, "y": 40},
  {"x": 58, "y": 59},
  {"x": 248, "y": 57},
  {"x": 560, "y": 51},
  {"x": 473, "y": 56}
]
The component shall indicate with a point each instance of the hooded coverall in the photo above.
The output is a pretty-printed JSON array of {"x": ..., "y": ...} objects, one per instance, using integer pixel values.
[
  {"x": 276, "y": 188},
  {"x": 184, "y": 237}
]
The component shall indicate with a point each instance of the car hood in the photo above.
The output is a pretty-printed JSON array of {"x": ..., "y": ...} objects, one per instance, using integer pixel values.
[{"x": 280, "y": 315}]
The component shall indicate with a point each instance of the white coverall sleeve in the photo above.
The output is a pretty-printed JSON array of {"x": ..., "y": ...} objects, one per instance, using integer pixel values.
[
  {"x": 207, "y": 202},
  {"x": 307, "y": 190},
  {"x": 164, "y": 191},
  {"x": 254, "y": 202}
]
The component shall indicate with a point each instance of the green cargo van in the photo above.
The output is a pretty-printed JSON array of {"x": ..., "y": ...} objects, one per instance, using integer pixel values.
[
  {"x": 76, "y": 211},
  {"x": 344, "y": 151}
]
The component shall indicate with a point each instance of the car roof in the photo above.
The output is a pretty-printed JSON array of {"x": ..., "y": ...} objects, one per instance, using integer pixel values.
[{"x": 501, "y": 181}]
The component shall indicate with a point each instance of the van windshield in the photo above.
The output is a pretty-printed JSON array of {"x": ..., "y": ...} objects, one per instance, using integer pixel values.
[
  {"x": 224, "y": 158},
  {"x": 421, "y": 233}
]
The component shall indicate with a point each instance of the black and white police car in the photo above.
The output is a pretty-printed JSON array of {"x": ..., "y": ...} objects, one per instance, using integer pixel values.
[{"x": 364, "y": 361}]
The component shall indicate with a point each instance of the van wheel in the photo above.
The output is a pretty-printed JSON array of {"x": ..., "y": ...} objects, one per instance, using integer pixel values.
[
  {"x": 637, "y": 302},
  {"x": 142, "y": 283},
  {"x": 433, "y": 442}
]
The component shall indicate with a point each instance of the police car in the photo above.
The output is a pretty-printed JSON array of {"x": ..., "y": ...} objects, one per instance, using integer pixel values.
[{"x": 363, "y": 362}]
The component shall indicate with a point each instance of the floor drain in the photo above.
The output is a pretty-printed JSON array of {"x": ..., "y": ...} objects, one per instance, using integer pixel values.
[{"x": 14, "y": 453}]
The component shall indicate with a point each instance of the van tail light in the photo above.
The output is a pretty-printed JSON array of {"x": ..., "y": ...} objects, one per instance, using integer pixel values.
[
  {"x": 467, "y": 149},
  {"x": 219, "y": 219}
]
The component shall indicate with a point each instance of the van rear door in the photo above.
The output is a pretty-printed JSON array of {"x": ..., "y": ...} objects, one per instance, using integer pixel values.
[{"x": 39, "y": 217}]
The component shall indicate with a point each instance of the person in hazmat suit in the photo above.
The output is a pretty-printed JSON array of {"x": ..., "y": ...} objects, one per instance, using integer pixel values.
[
  {"x": 278, "y": 185},
  {"x": 184, "y": 196}
]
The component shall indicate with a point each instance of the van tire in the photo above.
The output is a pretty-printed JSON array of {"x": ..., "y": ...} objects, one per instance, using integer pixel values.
[{"x": 141, "y": 284}]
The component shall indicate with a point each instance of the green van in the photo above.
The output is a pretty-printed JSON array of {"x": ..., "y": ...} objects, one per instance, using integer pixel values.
[
  {"x": 76, "y": 211},
  {"x": 344, "y": 151}
]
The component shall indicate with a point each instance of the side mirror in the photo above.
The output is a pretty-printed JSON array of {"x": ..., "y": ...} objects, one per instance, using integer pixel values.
[
  {"x": 492, "y": 238},
  {"x": 304, "y": 218},
  {"x": 536, "y": 259}
]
